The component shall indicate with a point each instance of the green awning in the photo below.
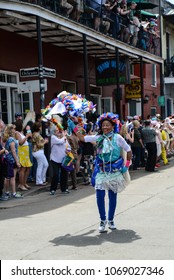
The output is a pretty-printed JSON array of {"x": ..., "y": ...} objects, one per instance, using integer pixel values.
[
  {"x": 143, "y": 4},
  {"x": 147, "y": 14}
]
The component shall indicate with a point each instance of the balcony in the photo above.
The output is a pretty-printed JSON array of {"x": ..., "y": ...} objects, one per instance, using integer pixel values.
[
  {"x": 66, "y": 30},
  {"x": 168, "y": 72}
]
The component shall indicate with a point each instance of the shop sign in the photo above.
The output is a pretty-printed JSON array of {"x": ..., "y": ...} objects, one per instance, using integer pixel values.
[
  {"x": 106, "y": 72},
  {"x": 133, "y": 90},
  {"x": 161, "y": 101}
]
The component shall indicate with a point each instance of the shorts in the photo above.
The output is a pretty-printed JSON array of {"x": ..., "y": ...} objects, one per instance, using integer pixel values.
[{"x": 9, "y": 169}]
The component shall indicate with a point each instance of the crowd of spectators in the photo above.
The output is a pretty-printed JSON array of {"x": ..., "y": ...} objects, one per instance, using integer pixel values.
[
  {"x": 115, "y": 18},
  {"x": 151, "y": 141}
]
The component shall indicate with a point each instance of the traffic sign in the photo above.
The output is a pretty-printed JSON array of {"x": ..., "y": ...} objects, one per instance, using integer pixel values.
[{"x": 34, "y": 72}]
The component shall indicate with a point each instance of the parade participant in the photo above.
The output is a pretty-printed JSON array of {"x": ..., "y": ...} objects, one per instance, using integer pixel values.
[{"x": 109, "y": 165}]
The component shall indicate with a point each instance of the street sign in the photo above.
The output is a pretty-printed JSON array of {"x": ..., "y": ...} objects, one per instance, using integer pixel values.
[
  {"x": 29, "y": 72},
  {"x": 48, "y": 72},
  {"x": 34, "y": 72}
]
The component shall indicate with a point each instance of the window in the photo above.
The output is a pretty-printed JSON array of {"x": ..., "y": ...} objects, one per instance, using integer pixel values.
[
  {"x": 68, "y": 86},
  {"x": 106, "y": 105},
  {"x": 154, "y": 75},
  {"x": 131, "y": 69},
  {"x": 8, "y": 78},
  {"x": 21, "y": 102},
  {"x": 153, "y": 111},
  {"x": 3, "y": 105}
]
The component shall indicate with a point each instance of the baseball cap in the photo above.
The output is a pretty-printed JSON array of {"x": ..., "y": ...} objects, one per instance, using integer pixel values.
[
  {"x": 18, "y": 115},
  {"x": 134, "y": 3}
]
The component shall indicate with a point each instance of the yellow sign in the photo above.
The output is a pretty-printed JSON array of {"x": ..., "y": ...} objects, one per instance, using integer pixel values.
[{"x": 133, "y": 90}]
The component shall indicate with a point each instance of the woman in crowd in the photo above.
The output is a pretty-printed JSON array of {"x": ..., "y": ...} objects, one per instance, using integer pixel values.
[
  {"x": 109, "y": 165},
  {"x": 128, "y": 136},
  {"x": 59, "y": 148},
  {"x": 2, "y": 153},
  {"x": 11, "y": 160},
  {"x": 38, "y": 143},
  {"x": 24, "y": 156},
  {"x": 136, "y": 145}
]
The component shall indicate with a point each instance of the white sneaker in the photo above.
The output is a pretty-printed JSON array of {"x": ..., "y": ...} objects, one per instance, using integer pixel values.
[
  {"x": 111, "y": 225},
  {"x": 102, "y": 226}
]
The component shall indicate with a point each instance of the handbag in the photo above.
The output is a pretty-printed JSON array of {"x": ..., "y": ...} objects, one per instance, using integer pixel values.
[
  {"x": 68, "y": 162},
  {"x": 170, "y": 135}
]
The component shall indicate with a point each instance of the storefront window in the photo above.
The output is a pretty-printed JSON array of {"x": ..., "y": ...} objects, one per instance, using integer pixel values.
[{"x": 3, "y": 105}]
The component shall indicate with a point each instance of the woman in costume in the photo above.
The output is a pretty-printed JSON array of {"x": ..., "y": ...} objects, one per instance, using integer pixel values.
[{"x": 109, "y": 165}]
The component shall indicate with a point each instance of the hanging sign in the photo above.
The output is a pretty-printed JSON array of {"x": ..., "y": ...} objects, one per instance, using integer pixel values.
[
  {"x": 133, "y": 90},
  {"x": 106, "y": 72},
  {"x": 161, "y": 101}
]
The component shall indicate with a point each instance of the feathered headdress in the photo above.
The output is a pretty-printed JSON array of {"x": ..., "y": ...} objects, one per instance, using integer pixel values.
[
  {"x": 113, "y": 118},
  {"x": 67, "y": 104}
]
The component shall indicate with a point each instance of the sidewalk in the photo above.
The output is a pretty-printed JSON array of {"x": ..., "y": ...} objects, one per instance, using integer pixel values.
[{"x": 36, "y": 190}]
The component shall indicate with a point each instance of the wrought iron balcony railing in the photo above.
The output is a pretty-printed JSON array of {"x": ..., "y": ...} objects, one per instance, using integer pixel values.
[{"x": 102, "y": 19}]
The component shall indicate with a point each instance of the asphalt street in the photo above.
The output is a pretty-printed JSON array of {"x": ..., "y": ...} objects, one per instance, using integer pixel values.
[{"x": 65, "y": 227}]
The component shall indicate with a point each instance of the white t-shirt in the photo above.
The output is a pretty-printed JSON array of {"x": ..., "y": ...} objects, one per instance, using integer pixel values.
[{"x": 119, "y": 141}]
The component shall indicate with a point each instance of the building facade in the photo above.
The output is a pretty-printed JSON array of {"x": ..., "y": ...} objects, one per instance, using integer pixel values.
[{"x": 44, "y": 50}]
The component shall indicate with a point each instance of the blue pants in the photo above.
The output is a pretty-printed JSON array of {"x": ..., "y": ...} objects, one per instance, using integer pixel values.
[{"x": 100, "y": 196}]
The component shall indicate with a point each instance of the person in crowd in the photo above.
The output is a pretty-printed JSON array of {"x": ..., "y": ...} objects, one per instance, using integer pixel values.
[
  {"x": 74, "y": 143},
  {"x": 167, "y": 144},
  {"x": 11, "y": 161},
  {"x": 128, "y": 122},
  {"x": 78, "y": 10},
  {"x": 3, "y": 197},
  {"x": 88, "y": 155},
  {"x": 124, "y": 20},
  {"x": 136, "y": 145},
  {"x": 38, "y": 143},
  {"x": 127, "y": 135},
  {"x": 172, "y": 66},
  {"x": 118, "y": 11},
  {"x": 24, "y": 156},
  {"x": 170, "y": 130},
  {"x": 38, "y": 118},
  {"x": 106, "y": 15},
  {"x": 18, "y": 117},
  {"x": 134, "y": 24},
  {"x": 143, "y": 153},
  {"x": 163, "y": 145},
  {"x": 96, "y": 5},
  {"x": 32, "y": 174},
  {"x": 59, "y": 148},
  {"x": 109, "y": 165},
  {"x": 149, "y": 140},
  {"x": 134, "y": 27},
  {"x": 67, "y": 6},
  {"x": 155, "y": 124}
]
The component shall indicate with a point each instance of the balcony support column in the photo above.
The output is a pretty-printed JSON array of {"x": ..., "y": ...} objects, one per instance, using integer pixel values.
[
  {"x": 40, "y": 65},
  {"x": 85, "y": 59},
  {"x": 117, "y": 94},
  {"x": 142, "y": 87}
]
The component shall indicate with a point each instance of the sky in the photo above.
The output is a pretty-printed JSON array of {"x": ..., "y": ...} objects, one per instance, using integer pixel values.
[{"x": 171, "y": 1}]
